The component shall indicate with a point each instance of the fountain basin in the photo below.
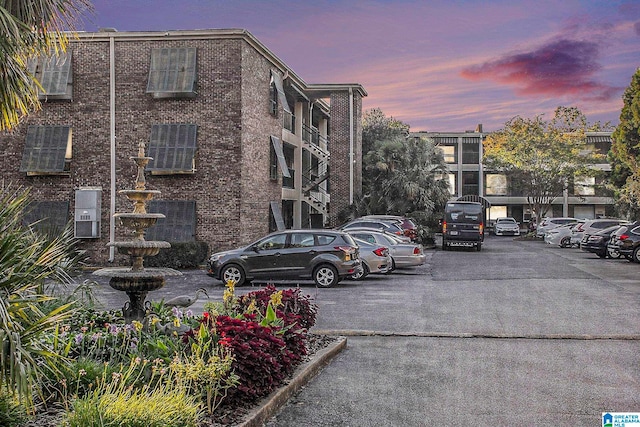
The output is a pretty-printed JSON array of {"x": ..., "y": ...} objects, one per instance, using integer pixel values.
[{"x": 124, "y": 279}]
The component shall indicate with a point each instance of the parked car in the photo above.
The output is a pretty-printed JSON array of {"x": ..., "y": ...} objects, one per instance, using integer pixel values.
[
  {"x": 389, "y": 226},
  {"x": 597, "y": 243},
  {"x": 506, "y": 227},
  {"x": 551, "y": 223},
  {"x": 327, "y": 256},
  {"x": 629, "y": 242},
  {"x": 403, "y": 254},
  {"x": 592, "y": 226},
  {"x": 463, "y": 225},
  {"x": 407, "y": 224},
  {"x": 561, "y": 236},
  {"x": 375, "y": 258}
]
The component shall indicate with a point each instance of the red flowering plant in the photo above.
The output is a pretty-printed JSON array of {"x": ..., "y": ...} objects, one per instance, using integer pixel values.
[
  {"x": 265, "y": 332},
  {"x": 296, "y": 312}
]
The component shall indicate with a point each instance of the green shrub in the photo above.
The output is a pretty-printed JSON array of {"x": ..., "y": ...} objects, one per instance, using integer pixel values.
[
  {"x": 161, "y": 402},
  {"x": 12, "y": 414},
  {"x": 181, "y": 255}
]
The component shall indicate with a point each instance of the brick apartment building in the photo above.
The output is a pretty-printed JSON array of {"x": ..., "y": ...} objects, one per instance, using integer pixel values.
[
  {"x": 241, "y": 145},
  {"x": 468, "y": 178}
]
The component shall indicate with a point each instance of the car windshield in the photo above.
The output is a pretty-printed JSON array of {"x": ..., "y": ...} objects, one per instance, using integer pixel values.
[{"x": 506, "y": 221}]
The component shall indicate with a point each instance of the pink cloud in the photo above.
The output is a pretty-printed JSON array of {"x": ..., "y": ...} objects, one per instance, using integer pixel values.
[{"x": 560, "y": 68}]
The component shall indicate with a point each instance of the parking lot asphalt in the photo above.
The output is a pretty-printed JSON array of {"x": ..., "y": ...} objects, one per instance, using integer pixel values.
[{"x": 519, "y": 334}]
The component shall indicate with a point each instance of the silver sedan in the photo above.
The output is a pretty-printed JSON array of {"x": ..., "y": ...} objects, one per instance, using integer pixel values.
[
  {"x": 403, "y": 254},
  {"x": 374, "y": 257}
]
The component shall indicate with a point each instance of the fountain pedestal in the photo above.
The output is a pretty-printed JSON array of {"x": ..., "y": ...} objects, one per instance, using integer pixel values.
[{"x": 136, "y": 281}]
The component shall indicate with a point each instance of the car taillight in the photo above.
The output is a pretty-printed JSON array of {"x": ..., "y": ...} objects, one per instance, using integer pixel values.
[
  {"x": 349, "y": 251},
  {"x": 444, "y": 226},
  {"x": 481, "y": 228},
  {"x": 623, "y": 237},
  {"x": 579, "y": 228},
  {"x": 416, "y": 251},
  {"x": 381, "y": 251}
]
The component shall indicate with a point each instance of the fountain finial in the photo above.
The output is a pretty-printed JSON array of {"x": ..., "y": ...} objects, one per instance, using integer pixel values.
[{"x": 141, "y": 162}]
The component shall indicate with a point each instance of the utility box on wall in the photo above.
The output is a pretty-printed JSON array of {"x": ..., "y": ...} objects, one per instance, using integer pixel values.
[{"x": 87, "y": 213}]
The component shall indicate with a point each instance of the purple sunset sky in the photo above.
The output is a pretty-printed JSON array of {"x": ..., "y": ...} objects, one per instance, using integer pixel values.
[{"x": 439, "y": 65}]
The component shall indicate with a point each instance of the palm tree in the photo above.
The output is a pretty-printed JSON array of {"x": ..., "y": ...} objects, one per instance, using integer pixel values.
[
  {"x": 405, "y": 176},
  {"x": 29, "y": 28},
  {"x": 27, "y": 259}
]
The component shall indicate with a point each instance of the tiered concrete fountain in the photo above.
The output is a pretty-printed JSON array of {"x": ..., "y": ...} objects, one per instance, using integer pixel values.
[{"x": 136, "y": 280}]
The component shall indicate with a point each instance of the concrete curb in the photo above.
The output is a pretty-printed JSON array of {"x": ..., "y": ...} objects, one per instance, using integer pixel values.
[
  {"x": 576, "y": 337},
  {"x": 271, "y": 404}
]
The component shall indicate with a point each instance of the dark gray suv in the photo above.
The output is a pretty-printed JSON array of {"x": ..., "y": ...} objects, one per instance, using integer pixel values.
[{"x": 327, "y": 256}]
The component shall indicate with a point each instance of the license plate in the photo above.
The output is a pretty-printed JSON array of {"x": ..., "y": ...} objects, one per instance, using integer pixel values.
[{"x": 454, "y": 233}]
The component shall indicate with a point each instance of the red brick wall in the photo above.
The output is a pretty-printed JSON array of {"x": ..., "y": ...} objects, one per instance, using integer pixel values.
[
  {"x": 340, "y": 146},
  {"x": 231, "y": 185}
]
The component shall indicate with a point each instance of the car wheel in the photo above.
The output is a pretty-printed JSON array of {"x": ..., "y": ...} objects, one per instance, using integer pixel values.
[
  {"x": 479, "y": 247},
  {"x": 445, "y": 246},
  {"x": 234, "y": 273},
  {"x": 361, "y": 274},
  {"x": 601, "y": 254},
  {"x": 613, "y": 253},
  {"x": 636, "y": 254},
  {"x": 565, "y": 242},
  {"x": 325, "y": 276},
  {"x": 629, "y": 257}
]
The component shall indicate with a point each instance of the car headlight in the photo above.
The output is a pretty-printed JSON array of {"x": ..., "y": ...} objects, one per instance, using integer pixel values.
[{"x": 214, "y": 258}]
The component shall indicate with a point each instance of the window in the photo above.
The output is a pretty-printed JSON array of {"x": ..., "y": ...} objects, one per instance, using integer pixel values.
[
  {"x": 496, "y": 184},
  {"x": 275, "y": 219},
  {"x": 55, "y": 75},
  {"x": 469, "y": 183},
  {"x": 288, "y": 152},
  {"x": 449, "y": 153},
  {"x": 173, "y": 148},
  {"x": 173, "y": 73},
  {"x": 277, "y": 94},
  {"x": 273, "y": 164},
  {"x": 325, "y": 239},
  {"x": 179, "y": 224},
  {"x": 277, "y": 147},
  {"x": 600, "y": 144},
  {"x": 302, "y": 240},
  {"x": 584, "y": 186},
  {"x": 48, "y": 217},
  {"x": 471, "y": 151},
  {"x": 47, "y": 150},
  {"x": 273, "y": 97},
  {"x": 364, "y": 236},
  {"x": 452, "y": 183},
  {"x": 273, "y": 242}
]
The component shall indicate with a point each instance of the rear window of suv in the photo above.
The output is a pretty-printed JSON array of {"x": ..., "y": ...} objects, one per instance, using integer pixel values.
[
  {"x": 326, "y": 239},
  {"x": 461, "y": 212}
]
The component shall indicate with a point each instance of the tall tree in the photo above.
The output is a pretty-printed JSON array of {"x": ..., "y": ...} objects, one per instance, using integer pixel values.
[
  {"x": 378, "y": 127},
  {"x": 401, "y": 175},
  {"x": 625, "y": 152},
  {"x": 29, "y": 28},
  {"x": 542, "y": 158}
]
